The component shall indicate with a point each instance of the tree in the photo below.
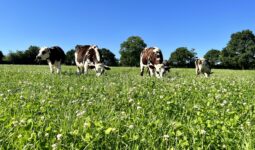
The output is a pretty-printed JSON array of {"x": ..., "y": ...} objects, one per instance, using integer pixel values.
[
  {"x": 108, "y": 57},
  {"x": 16, "y": 58},
  {"x": 213, "y": 56},
  {"x": 70, "y": 57},
  {"x": 182, "y": 57},
  {"x": 240, "y": 50},
  {"x": 30, "y": 54},
  {"x": 130, "y": 51},
  {"x": 1, "y": 56}
]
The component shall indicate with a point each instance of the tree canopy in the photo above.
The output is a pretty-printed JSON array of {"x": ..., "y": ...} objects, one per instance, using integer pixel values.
[
  {"x": 70, "y": 57},
  {"x": 108, "y": 57},
  {"x": 213, "y": 56},
  {"x": 182, "y": 57},
  {"x": 240, "y": 50},
  {"x": 1, "y": 56},
  {"x": 130, "y": 51}
]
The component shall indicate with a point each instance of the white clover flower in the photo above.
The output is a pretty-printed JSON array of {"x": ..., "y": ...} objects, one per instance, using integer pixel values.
[
  {"x": 138, "y": 107},
  {"x": 168, "y": 102},
  {"x": 46, "y": 134},
  {"x": 54, "y": 146},
  {"x": 1, "y": 94},
  {"x": 130, "y": 100},
  {"x": 42, "y": 117},
  {"x": 131, "y": 126},
  {"x": 21, "y": 97},
  {"x": 9, "y": 91},
  {"x": 202, "y": 131},
  {"x": 85, "y": 125},
  {"x": 161, "y": 96},
  {"x": 123, "y": 113},
  {"x": 22, "y": 121},
  {"x": 19, "y": 136},
  {"x": 223, "y": 103},
  {"x": 80, "y": 113},
  {"x": 166, "y": 137},
  {"x": 59, "y": 136}
]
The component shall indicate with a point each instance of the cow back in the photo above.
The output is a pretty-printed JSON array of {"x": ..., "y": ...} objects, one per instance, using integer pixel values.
[
  {"x": 56, "y": 54},
  {"x": 152, "y": 55}
]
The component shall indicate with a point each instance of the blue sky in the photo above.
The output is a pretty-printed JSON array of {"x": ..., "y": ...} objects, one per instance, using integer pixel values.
[{"x": 167, "y": 24}]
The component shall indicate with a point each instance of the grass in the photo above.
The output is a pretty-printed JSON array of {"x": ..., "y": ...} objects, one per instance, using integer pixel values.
[{"x": 121, "y": 110}]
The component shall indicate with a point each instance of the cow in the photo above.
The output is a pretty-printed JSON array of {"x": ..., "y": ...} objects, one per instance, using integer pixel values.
[
  {"x": 54, "y": 56},
  {"x": 203, "y": 66},
  {"x": 152, "y": 58},
  {"x": 88, "y": 57}
]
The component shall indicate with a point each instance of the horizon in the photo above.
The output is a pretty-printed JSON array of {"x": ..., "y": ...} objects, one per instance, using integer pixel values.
[{"x": 202, "y": 25}]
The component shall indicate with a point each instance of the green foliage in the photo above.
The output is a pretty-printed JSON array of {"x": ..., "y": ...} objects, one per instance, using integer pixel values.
[
  {"x": 70, "y": 57},
  {"x": 108, "y": 57},
  {"x": 240, "y": 50},
  {"x": 1, "y": 56},
  {"x": 121, "y": 110},
  {"x": 213, "y": 56},
  {"x": 23, "y": 57},
  {"x": 130, "y": 51},
  {"x": 182, "y": 57}
]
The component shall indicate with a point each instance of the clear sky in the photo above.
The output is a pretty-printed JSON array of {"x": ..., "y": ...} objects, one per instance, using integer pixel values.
[{"x": 167, "y": 24}]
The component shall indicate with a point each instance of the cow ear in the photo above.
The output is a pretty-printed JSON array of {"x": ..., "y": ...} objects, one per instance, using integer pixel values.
[
  {"x": 107, "y": 67},
  {"x": 166, "y": 68},
  {"x": 151, "y": 66}
]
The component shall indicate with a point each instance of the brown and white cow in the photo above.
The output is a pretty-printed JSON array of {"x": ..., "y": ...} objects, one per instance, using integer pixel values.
[
  {"x": 88, "y": 57},
  {"x": 54, "y": 56},
  {"x": 203, "y": 66},
  {"x": 152, "y": 58}
]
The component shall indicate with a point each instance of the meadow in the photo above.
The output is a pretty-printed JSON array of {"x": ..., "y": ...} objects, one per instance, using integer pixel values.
[{"x": 122, "y": 110}]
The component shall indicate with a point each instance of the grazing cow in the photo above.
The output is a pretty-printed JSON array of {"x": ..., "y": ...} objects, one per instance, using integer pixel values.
[
  {"x": 203, "y": 66},
  {"x": 88, "y": 56},
  {"x": 54, "y": 56},
  {"x": 152, "y": 58}
]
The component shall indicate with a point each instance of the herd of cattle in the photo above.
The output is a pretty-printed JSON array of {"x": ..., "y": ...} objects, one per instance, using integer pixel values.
[{"x": 88, "y": 57}]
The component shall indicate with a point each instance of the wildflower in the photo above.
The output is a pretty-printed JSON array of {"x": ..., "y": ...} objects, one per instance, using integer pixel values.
[
  {"x": 46, "y": 134},
  {"x": 168, "y": 102},
  {"x": 139, "y": 107},
  {"x": 19, "y": 136},
  {"x": 21, "y": 97},
  {"x": 42, "y": 117},
  {"x": 54, "y": 146},
  {"x": 130, "y": 100},
  {"x": 202, "y": 131},
  {"x": 223, "y": 103},
  {"x": 80, "y": 113},
  {"x": 131, "y": 126},
  {"x": 161, "y": 96},
  {"x": 59, "y": 136},
  {"x": 166, "y": 137}
]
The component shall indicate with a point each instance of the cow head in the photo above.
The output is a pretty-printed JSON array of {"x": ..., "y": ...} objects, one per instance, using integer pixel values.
[
  {"x": 44, "y": 54},
  {"x": 99, "y": 68},
  {"x": 159, "y": 69}
]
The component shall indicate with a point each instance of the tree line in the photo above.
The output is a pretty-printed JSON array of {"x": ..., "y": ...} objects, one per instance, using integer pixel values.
[{"x": 239, "y": 53}]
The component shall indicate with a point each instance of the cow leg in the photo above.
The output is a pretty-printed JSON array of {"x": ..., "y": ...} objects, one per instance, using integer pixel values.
[
  {"x": 86, "y": 67},
  {"x": 142, "y": 70},
  {"x": 51, "y": 66},
  {"x": 207, "y": 75},
  {"x": 151, "y": 72},
  {"x": 58, "y": 67}
]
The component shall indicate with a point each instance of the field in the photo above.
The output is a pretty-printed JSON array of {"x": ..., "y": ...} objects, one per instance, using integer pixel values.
[{"x": 122, "y": 110}]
